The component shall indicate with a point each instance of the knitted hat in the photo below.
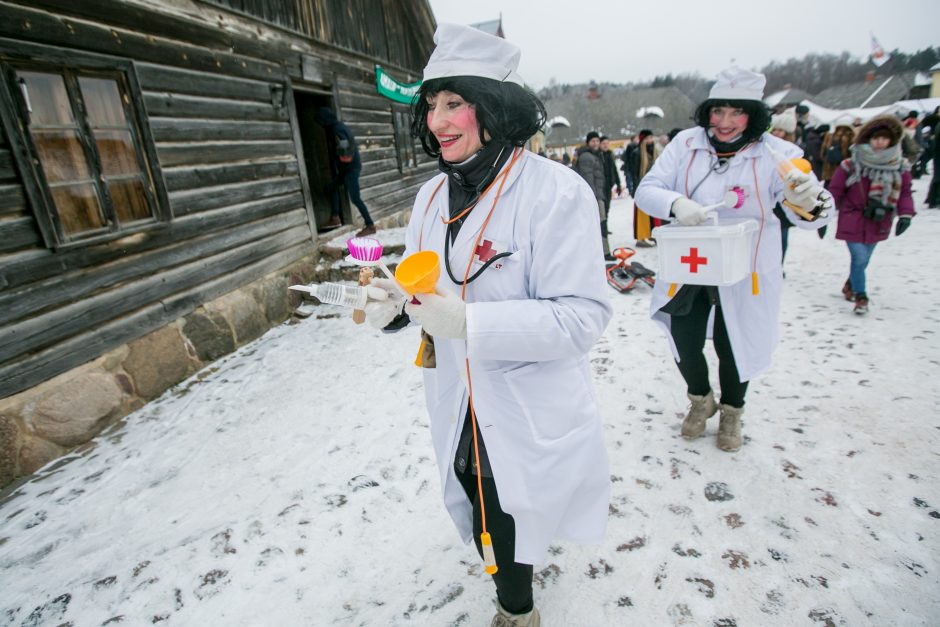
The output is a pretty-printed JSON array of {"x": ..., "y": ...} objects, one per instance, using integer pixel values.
[
  {"x": 466, "y": 51},
  {"x": 737, "y": 84},
  {"x": 785, "y": 122},
  {"x": 884, "y": 123},
  {"x": 591, "y": 135}
]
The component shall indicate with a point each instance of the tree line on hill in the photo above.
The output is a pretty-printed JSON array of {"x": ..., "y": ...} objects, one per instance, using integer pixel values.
[{"x": 813, "y": 73}]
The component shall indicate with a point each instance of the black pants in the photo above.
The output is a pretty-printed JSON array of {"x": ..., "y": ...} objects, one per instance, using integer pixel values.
[
  {"x": 513, "y": 580},
  {"x": 688, "y": 332},
  {"x": 349, "y": 179}
]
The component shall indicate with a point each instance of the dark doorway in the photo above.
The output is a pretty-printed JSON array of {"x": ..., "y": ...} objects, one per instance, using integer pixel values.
[{"x": 316, "y": 156}]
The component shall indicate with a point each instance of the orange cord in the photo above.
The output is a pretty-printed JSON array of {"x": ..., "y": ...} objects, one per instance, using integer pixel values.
[{"x": 755, "y": 289}]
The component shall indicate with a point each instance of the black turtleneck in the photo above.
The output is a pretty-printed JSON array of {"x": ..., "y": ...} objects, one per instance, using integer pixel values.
[{"x": 467, "y": 180}]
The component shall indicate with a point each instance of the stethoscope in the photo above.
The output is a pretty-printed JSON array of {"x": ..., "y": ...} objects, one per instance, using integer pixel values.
[{"x": 470, "y": 278}]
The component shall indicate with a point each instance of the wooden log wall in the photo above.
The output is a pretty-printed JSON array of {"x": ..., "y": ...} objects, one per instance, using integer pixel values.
[{"x": 229, "y": 160}]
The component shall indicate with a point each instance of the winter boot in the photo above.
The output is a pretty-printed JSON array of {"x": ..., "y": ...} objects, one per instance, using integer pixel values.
[
  {"x": 847, "y": 291},
  {"x": 505, "y": 619},
  {"x": 729, "y": 428},
  {"x": 861, "y": 304},
  {"x": 703, "y": 408}
]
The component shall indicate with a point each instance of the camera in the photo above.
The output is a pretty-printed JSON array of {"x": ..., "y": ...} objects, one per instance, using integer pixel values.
[{"x": 876, "y": 210}]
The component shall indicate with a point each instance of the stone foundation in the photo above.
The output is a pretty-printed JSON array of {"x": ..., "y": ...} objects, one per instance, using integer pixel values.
[{"x": 46, "y": 421}]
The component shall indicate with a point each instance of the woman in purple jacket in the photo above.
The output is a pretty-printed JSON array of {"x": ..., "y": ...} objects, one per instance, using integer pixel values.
[{"x": 869, "y": 188}]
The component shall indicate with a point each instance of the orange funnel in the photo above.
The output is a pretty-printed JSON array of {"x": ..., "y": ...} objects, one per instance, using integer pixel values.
[{"x": 418, "y": 273}]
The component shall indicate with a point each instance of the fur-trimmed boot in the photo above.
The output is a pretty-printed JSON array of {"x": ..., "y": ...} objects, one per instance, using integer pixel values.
[
  {"x": 505, "y": 619},
  {"x": 729, "y": 428},
  {"x": 703, "y": 408}
]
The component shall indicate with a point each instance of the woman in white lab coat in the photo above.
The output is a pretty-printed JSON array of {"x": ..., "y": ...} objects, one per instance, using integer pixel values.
[
  {"x": 728, "y": 150},
  {"x": 521, "y": 300}
]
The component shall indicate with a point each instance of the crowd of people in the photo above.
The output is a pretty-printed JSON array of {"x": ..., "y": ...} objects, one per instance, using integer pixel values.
[{"x": 522, "y": 239}]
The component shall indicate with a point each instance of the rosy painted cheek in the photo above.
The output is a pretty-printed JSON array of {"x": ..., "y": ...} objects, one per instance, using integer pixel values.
[{"x": 466, "y": 117}]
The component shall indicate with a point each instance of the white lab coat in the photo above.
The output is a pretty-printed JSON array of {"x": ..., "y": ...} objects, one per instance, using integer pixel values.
[
  {"x": 531, "y": 319},
  {"x": 751, "y": 319}
]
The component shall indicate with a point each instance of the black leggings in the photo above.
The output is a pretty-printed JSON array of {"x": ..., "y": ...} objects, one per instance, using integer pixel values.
[
  {"x": 513, "y": 580},
  {"x": 689, "y": 331}
]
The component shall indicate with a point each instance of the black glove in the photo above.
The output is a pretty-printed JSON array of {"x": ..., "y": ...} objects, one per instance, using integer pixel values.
[
  {"x": 821, "y": 231},
  {"x": 902, "y": 225}
]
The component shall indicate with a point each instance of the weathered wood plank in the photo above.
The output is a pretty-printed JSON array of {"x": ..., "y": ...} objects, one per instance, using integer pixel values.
[
  {"x": 21, "y": 268},
  {"x": 362, "y": 101},
  {"x": 68, "y": 287},
  {"x": 31, "y": 25},
  {"x": 191, "y": 178},
  {"x": 12, "y": 200},
  {"x": 164, "y": 104},
  {"x": 369, "y": 154},
  {"x": 177, "y": 80},
  {"x": 203, "y": 199},
  {"x": 378, "y": 116},
  {"x": 42, "y": 330},
  {"x": 186, "y": 130},
  {"x": 17, "y": 233},
  {"x": 372, "y": 129},
  {"x": 28, "y": 371},
  {"x": 221, "y": 152},
  {"x": 7, "y": 171}
]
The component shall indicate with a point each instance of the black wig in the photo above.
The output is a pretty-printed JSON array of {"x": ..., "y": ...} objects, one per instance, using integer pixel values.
[
  {"x": 758, "y": 115},
  {"x": 507, "y": 111}
]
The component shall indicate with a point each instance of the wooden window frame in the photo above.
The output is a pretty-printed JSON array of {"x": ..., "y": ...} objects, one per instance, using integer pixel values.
[
  {"x": 72, "y": 64},
  {"x": 401, "y": 133}
]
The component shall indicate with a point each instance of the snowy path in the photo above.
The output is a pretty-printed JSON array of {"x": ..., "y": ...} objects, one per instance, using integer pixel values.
[{"x": 292, "y": 483}]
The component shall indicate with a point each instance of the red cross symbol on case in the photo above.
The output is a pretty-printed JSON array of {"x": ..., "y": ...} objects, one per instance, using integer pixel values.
[{"x": 694, "y": 260}]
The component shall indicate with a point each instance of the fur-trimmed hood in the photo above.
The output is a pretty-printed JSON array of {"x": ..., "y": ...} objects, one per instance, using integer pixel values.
[{"x": 882, "y": 122}]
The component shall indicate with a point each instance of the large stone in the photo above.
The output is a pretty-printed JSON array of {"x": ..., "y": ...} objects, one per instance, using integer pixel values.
[
  {"x": 36, "y": 453},
  {"x": 157, "y": 361},
  {"x": 75, "y": 410},
  {"x": 272, "y": 293},
  {"x": 209, "y": 333},
  {"x": 244, "y": 314},
  {"x": 8, "y": 452}
]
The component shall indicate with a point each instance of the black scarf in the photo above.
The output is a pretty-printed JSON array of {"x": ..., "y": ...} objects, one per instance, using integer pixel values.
[
  {"x": 732, "y": 147},
  {"x": 467, "y": 180}
]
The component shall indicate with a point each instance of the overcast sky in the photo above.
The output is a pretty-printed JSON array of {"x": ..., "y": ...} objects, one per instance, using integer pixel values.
[{"x": 620, "y": 41}]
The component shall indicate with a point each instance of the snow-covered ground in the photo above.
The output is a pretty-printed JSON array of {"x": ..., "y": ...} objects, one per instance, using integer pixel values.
[{"x": 292, "y": 482}]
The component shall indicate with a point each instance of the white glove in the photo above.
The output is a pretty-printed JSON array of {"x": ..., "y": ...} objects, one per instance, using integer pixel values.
[
  {"x": 441, "y": 315},
  {"x": 385, "y": 302},
  {"x": 688, "y": 212},
  {"x": 801, "y": 190}
]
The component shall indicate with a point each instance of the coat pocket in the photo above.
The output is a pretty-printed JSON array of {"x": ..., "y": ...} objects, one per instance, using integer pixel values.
[{"x": 555, "y": 397}]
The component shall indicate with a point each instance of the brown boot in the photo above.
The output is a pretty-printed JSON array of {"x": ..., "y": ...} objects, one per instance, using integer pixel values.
[
  {"x": 847, "y": 291},
  {"x": 505, "y": 619},
  {"x": 729, "y": 428},
  {"x": 703, "y": 408},
  {"x": 332, "y": 223},
  {"x": 368, "y": 229}
]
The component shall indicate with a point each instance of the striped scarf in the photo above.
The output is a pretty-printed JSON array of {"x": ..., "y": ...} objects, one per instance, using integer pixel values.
[{"x": 883, "y": 168}]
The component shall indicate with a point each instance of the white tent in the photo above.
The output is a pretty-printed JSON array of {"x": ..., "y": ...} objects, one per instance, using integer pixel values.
[{"x": 821, "y": 115}]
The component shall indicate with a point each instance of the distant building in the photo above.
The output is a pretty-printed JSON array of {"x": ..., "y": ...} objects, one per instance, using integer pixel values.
[
  {"x": 492, "y": 27},
  {"x": 786, "y": 98},
  {"x": 615, "y": 112},
  {"x": 876, "y": 91}
]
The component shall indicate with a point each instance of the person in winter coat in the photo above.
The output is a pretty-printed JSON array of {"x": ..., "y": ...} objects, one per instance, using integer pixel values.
[
  {"x": 835, "y": 149},
  {"x": 611, "y": 177},
  {"x": 629, "y": 157},
  {"x": 346, "y": 167},
  {"x": 590, "y": 165},
  {"x": 521, "y": 300},
  {"x": 643, "y": 223},
  {"x": 870, "y": 189},
  {"x": 727, "y": 150}
]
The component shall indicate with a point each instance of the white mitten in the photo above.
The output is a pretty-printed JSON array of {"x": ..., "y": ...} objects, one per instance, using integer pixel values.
[
  {"x": 688, "y": 212},
  {"x": 802, "y": 190},
  {"x": 441, "y": 315},
  {"x": 385, "y": 302}
]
